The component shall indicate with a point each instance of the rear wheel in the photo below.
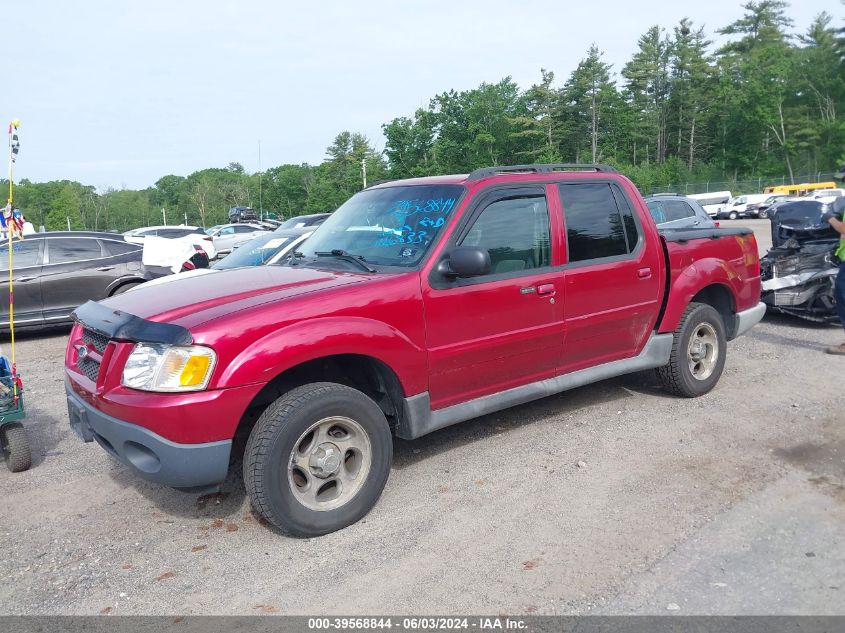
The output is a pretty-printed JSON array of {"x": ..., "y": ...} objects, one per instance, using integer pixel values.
[
  {"x": 698, "y": 353},
  {"x": 318, "y": 459},
  {"x": 15, "y": 446}
]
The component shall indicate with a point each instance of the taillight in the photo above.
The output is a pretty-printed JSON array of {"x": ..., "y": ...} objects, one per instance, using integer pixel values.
[
  {"x": 751, "y": 258},
  {"x": 718, "y": 224}
]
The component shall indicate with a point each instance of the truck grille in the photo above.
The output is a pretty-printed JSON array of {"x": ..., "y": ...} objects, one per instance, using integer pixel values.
[
  {"x": 89, "y": 364},
  {"x": 89, "y": 367},
  {"x": 95, "y": 339}
]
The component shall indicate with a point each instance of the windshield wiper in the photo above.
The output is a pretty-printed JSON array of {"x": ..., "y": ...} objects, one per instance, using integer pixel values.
[
  {"x": 292, "y": 257},
  {"x": 347, "y": 257}
]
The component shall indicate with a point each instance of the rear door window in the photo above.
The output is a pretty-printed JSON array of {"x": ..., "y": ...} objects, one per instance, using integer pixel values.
[
  {"x": 599, "y": 221},
  {"x": 113, "y": 247},
  {"x": 63, "y": 250}
]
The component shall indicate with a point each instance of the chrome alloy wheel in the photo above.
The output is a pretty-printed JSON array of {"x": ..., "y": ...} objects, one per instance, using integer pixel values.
[
  {"x": 703, "y": 351},
  {"x": 329, "y": 463}
]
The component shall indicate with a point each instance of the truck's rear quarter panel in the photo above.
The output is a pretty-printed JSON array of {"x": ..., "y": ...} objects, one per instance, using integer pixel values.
[{"x": 723, "y": 257}]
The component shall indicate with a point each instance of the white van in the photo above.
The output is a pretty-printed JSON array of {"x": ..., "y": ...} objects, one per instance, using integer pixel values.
[
  {"x": 739, "y": 207},
  {"x": 713, "y": 201},
  {"x": 824, "y": 195}
]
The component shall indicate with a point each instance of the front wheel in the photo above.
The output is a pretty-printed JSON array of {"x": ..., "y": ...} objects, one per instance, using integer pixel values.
[
  {"x": 763, "y": 214},
  {"x": 733, "y": 215},
  {"x": 318, "y": 459},
  {"x": 698, "y": 353}
]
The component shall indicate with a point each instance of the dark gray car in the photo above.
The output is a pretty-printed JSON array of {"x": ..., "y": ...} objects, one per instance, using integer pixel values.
[
  {"x": 54, "y": 273},
  {"x": 671, "y": 211}
]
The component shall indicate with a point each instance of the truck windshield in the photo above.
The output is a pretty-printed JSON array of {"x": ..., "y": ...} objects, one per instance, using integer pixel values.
[{"x": 390, "y": 226}]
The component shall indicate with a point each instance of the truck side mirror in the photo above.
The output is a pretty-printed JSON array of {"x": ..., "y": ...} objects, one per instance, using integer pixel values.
[{"x": 467, "y": 261}]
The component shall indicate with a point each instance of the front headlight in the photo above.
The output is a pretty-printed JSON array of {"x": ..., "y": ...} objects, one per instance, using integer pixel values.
[{"x": 155, "y": 367}]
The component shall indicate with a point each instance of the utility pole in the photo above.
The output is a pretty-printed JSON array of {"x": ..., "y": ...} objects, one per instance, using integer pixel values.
[
  {"x": 163, "y": 217},
  {"x": 186, "y": 218},
  {"x": 364, "y": 171},
  {"x": 68, "y": 222}
]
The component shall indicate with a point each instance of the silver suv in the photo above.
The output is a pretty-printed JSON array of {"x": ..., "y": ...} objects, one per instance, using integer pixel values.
[{"x": 671, "y": 211}]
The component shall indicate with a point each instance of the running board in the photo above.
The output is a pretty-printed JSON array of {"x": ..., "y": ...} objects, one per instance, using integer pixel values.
[{"x": 419, "y": 419}]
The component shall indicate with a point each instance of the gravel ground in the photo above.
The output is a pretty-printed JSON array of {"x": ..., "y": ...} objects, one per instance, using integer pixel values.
[{"x": 612, "y": 498}]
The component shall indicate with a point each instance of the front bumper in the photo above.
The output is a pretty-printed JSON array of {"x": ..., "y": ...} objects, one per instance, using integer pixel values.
[{"x": 151, "y": 456}]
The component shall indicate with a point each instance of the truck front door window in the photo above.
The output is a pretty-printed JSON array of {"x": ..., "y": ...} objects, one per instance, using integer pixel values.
[{"x": 515, "y": 232}]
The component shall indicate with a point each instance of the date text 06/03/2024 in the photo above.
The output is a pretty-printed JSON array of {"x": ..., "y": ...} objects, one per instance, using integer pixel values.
[{"x": 418, "y": 623}]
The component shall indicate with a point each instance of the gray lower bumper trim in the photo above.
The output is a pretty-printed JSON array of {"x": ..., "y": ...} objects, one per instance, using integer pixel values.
[
  {"x": 151, "y": 456},
  {"x": 747, "y": 319},
  {"x": 419, "y": 419}
]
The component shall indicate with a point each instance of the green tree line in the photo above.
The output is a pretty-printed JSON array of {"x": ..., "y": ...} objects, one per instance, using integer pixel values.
[{"x": 767, "y": 104}]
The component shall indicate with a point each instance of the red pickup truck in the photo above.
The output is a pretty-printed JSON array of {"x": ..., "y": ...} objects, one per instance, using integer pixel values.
[{"x": 418, "y": 304}]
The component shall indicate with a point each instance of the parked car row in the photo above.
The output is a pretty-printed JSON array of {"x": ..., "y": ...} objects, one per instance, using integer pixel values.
[
  {"x": 225, "y": 236},
  {"x": 190, "y": 234},
  {"x": 56, "y": 272},
  {"x": 53, "y": 273},
  {"x": 266, "y": 248},
  {"x": 759, "y": 205}
]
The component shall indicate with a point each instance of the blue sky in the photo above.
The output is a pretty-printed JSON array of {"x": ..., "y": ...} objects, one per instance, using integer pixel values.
[{"x": 118, "y": 94}]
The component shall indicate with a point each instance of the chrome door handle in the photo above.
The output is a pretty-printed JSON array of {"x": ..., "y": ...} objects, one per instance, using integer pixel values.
[
  {"x": 24, "y": 279},
  {"x": 105, "y": 268},
  {"x": 644, "y": 273}
]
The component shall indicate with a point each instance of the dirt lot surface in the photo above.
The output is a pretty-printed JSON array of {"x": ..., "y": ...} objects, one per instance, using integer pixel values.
[{"x": 612, "y": 498}]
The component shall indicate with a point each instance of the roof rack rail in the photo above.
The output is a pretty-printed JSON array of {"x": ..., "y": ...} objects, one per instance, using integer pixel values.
[{"x": 539, "y": 168}]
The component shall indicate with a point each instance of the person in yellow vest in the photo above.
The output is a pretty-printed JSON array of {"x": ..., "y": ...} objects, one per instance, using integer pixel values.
[{"x": 839, "y": 286}]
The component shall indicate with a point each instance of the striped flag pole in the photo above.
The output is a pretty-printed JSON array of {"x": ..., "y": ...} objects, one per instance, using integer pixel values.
[{"x": 14, "y": 146}]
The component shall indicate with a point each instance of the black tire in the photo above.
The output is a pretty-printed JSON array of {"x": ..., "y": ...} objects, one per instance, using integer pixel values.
[
  {"x": 677, "y": 376},
  {"x": 733, "y": 215},
  {"x": 763, "y": 214},
  {"x": 15, "y": 445},
  {"x": 270, "y": 451},
  {"x": 121, "y": 289}
]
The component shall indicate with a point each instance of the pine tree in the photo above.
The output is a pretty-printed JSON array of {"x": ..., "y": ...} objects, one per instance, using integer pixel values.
[
  {"x": 586, "y": 96},
  {"x": 647, "y": 89}
]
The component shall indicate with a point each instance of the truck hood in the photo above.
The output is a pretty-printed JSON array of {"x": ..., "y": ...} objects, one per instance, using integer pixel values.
[{"x": 197, "y": 298}]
